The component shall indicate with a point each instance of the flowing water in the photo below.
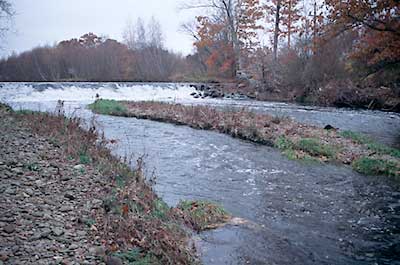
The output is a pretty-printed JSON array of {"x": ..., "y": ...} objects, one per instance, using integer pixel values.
[{"x": 297, "y": 213}]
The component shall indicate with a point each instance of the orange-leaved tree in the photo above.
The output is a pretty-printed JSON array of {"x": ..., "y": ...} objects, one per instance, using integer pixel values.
[
  {"x": 290, "y": 19},
  {"x": 212, "y": 40},
  {"x": 378, "y": 26},
  {"x": 229, "y": 31},
  {"x": 249, "y": 15}
]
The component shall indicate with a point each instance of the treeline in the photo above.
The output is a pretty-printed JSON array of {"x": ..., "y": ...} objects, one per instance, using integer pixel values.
[
  {"x": 321, "y": 50},
  {"x": 142, "y": 57}
]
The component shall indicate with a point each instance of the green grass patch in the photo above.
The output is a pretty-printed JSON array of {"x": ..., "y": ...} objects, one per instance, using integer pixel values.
[
  {"x": 288, "y": 148},
  {"x": 203, "y": 215},
  {"x": 315, "y": 148},
  {"x": 84, "y": 158},
  {"x": 371, "y": 166},
  {"x": 108, "y": 107},
  {"x": 120, "y": 181},
  {"x": 137, "y": 257},
  {"x": 355, "y": 136},
  {"x": 26, "y": 112},
  {"x": 284, "y": 143},
  {"x": 89, "y": 222},
  {"x": 290, "y": 154},
  {"x": 382, "y": 149},
  {"x": 160, "y": 209},
  {"x": 372, "y": 145}
]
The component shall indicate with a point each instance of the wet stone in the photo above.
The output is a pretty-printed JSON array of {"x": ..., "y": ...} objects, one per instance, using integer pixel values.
[
  {"x": 10, "y": 191},
  {"x": 57, "y": 231},
  {"x": 17, "y": 171},
  {"x": 37, "y": 214},
  {"x": 73, "y": 246},
  {"x": 66, "y": 178},
  {"x": 70, "y": 196},
  {"x": 9, "y": 228},
  {"x": 66, "y": 208},
  {"x": 79, "y": 167}
]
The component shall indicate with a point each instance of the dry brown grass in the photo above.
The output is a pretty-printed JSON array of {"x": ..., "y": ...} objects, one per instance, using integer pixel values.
[{"x": 296, "y": 140}]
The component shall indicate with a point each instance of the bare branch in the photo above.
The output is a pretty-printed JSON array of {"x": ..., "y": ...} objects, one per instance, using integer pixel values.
[
  {"x": 386, "y": 27},
  {"x": 6, "y": 9}
]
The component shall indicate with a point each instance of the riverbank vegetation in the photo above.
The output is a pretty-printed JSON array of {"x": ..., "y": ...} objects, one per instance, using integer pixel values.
[
  {"x": 203, "y": 215},
  {"x": 296, "y": 140},
  {"x": 132, "y": 223},
  {"x": 319, "y": 52}
]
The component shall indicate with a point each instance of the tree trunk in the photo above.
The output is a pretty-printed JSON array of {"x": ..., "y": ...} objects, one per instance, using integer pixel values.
[
  {"x": 289, "y": 22},
  {"x": 315, "y": 28},
  {"x": 235, "y": 39},
  {"x": 276, "y": 31}
]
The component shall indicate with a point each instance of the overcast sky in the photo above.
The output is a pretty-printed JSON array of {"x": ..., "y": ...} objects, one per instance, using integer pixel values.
[{"x": 40, "y": 22}]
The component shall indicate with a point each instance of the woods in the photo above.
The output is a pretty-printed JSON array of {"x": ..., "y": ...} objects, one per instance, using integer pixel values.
[
  {"x": 93, "y": 58},
  {"x": 282, "y": 27},
  {"x": 315, "y": 51},
  {"x": 303, "y": 50}
]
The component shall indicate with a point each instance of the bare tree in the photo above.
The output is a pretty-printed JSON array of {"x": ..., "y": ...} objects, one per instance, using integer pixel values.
[
  {"x": 154, "y": 34},
  {"x": 5, "y": 9},
  {"x": 6, "y": 13},
  {"x": 141, "y": 40},
  {"x": 129, "y": 35}
]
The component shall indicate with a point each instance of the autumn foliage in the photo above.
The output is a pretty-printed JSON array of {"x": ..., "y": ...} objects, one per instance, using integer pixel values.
[
  {"x": 304, "y": 50},
  {"x": 378, "y": 26},
  {"x": 294, "y": 49}
]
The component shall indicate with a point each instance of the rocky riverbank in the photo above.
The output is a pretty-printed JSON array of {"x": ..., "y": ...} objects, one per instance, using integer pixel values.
[
  {"x": 348, "y": 96},
  {"x": 217, "y": 90},
  {"x": 296, "y": 140},
  {"x": 44, "y": 198},
  {"x": 64, "y": 199}
]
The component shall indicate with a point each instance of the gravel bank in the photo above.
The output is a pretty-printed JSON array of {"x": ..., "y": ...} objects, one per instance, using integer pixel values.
[{"x": 44, "y": 200}]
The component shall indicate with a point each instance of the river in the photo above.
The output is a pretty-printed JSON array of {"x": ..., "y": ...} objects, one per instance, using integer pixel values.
[{"x": 298, "y": 213}]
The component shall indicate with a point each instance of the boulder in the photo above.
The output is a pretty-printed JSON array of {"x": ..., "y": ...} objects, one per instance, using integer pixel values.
[{"x": 329, "y": 127}]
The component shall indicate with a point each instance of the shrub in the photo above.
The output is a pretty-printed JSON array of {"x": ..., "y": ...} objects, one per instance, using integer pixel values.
[
  {"x": 108, "y": 107},
  {"x": 137, "y": 257},
  {"x": 203, "y": 215},
  {"x": 371, "y": 166}
]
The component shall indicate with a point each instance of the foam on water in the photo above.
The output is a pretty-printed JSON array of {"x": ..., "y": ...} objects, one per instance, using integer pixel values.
[
  {"x": 383, "y": 127},
  {"x": 83, "y": 92}
]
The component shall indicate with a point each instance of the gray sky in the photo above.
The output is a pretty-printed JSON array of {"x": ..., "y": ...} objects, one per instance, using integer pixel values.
[{"x": 40, "y": 22}]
